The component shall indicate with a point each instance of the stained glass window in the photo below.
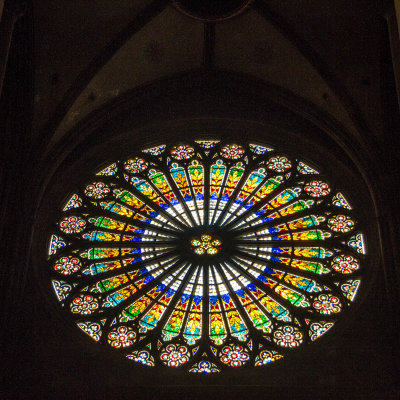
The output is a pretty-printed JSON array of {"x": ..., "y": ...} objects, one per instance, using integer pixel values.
[{"x": 206, "y": 255}]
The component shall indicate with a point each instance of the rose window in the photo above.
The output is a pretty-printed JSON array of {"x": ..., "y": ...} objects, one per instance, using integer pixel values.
[{"x": 206, "y": 255}]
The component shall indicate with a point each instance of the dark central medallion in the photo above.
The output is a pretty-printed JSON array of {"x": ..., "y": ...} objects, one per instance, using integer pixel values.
[
  {"x": 203, "y": 244},
  {"x": 206, "y": 245}
]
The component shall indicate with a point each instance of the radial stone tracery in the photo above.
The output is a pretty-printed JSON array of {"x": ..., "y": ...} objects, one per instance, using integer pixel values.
[{"x": 206, "y": 255}]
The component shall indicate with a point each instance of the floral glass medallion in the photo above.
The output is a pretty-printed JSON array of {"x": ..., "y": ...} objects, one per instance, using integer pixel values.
[
  {"x": 206, "y": 245},
  {"x": 206, "y": 255}
]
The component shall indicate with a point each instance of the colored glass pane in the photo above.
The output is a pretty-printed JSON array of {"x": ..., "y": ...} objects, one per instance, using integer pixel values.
[
  {"x": 305, "y": 169},
  {"x": 257, "y": 149},
  {"x": 182, "y": 152},
  {"x": 340, "y": 201},
  {"x": 142, "y": 357},
  {"x": 135, "y": 165},
  {"x": 207, "y": 144},
  {"x": 109, "y": 171},
  {"x": 74, "y": 202},
  {"x": 232, "y": 151},
  {"x": 206, "y": 367},
  {"x": 155, "y": 151},
  {"x": 205, "y": 245},
  {"x": 266, "y": 357}
]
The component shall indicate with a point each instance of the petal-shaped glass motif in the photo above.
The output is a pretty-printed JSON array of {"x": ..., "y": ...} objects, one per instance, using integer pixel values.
[{"x": 206, "y": 255}]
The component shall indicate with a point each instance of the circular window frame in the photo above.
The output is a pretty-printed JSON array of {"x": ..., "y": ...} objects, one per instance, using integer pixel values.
[{"x": 263, "y": 131}]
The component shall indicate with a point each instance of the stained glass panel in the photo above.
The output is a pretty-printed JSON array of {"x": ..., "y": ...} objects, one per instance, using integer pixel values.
[{"x": 233, "y": 248}]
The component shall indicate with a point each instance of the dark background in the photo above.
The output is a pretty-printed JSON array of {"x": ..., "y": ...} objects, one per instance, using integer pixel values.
[{"x": 87, "y": 78}]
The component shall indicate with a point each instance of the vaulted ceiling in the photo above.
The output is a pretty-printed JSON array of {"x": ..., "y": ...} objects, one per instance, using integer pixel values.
[{"x": 329, "y": 54}]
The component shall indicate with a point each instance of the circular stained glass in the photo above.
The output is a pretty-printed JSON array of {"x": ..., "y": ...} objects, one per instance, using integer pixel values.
[{"x": 207, "y": 255}]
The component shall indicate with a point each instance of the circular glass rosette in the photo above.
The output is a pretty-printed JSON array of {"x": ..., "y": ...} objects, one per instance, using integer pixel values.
[{"x": 206, "y": 255}]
